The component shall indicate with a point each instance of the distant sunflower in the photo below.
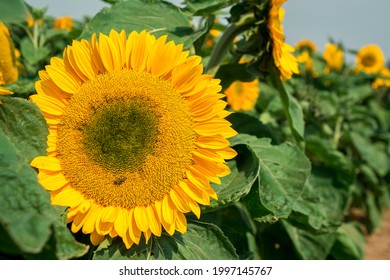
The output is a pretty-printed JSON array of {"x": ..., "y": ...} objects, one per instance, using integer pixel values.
[
  {"x": 284, "y": 60},
  {"x": 370, "y": 59},
  {"x": 307, "y": 62},
  {"x": 307, "y": 45},
  {"x": 333, "y": 56},
  {"x": 242, "y": 95},
  {"x": 63, "y": 23},
  {"x": 136, "y": 135},
  {"x": 383, "y": 80}
]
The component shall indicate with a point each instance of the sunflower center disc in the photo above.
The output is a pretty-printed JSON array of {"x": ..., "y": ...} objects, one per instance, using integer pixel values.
[
  {"x": 126, "y": 139},
  {"x": 368, "y": 60},
  {"x": 122, "y": 135}
]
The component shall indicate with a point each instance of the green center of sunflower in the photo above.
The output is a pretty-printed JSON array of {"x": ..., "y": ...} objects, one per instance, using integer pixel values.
[{"x": 121, "y": 136}]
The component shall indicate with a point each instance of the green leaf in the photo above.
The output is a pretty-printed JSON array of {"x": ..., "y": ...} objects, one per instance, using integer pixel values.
[
  {"x": 31, "y": 54},
  {"x": 206, "y": 7},
  {"x": 202, "y": 241},
  {"x": 12, "y": 11},
  {"x": 283, "y": 173},
  {"x": 229, "y": 73},
  {"x": 323, "y": 205},
  {"x": 27, "y": 219},
  {"x": 292, "y": 109},
  {"x": 350, "y": 243},
  {"x": 244, "y": 171},
  {"x": 248, "y": 124},
  {"x": 310, "y": 246},
  {"x": 371, "y": 154},
  {"x": 24, "y": 125},
  {"x": 373, "y": 212},
  {"x": 157, "y": 17}
]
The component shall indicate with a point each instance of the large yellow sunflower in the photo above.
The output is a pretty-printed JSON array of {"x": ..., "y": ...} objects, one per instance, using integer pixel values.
[
  {"x": 242, "y": 95},
  {"x": 136, "y": 135},
  {"x": 281, "y": 52},
  {"x": 370, "y": 59}
]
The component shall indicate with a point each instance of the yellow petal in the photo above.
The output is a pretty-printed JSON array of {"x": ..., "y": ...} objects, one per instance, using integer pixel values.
[
  {"x": 141, "y": 218},
  {"x": 46, "y": 163}
]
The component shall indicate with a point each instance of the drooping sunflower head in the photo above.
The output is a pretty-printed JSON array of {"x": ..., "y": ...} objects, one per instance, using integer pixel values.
[
  {"x": 333, "y": 57},
  {"x": 242, "y": 95},
  {"x": 284, "y": 60},
  {"x": 136, "y": 135},
  {"x": 370, "y": 59},
  {"x": 306, "y": 45},
  {"x": 8, "y": 67},
  {"x": 63, "y": 23}
]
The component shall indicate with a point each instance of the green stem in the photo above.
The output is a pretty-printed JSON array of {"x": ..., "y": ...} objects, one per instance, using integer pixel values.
[
  {"x": 337, "y": 132},
  {"x": 226, "y": 40}
]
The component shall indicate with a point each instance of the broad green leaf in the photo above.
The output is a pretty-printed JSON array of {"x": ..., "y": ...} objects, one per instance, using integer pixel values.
[
  {"x": 373, "y": 212},
  {"x": 28, "y": 222},
  {"x": 323, "y": 204},
  {"x": 22, "y": 87},
  {"x": 202, "y": 241},
  {"x": 157, "y": 17},
  {"x": 244, "y": 171},
  {"x": 205, "y": 7},
  {"x": 283, "y": 173},
  {"x": 350, "y": 243},
  {"x": 229, "y": 73},
  {"x": 248, "y": 124},
  {"x": 24, "y": 125},
  {"x": 12, "y": 11},
  {"x": 358, "y": 93},
  {"x": 31, "y": 54},
  {"x": 310, "y": 246},
  {"x": 238, "y": 227},
  {"x": 323, "y": 152},
  {"x": 292, "y": 108},
  {"x": 371, "y": 154}
]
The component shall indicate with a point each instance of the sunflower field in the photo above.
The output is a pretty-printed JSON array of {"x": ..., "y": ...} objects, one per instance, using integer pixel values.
[{"x": 157, "y": 131}]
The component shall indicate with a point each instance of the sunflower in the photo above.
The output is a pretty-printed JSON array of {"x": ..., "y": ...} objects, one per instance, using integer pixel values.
[
  {"x": 370, "y": 59},
  {"x": 8, "y": 67},
  {"x": 307, "y": 45},
  {"x": 242, "y": 95},
  {"x": 281, "y": 52},
  {"x": 333, "y": 57},
  {"x": 63, "y": 23},
  {"x": 136, "y": 135},
  {"x": 307, "y": 62},
  {"x": 383, "y": 80}
]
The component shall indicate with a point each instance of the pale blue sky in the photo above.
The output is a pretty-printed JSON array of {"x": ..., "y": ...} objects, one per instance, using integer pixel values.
[{"x": 355, "y": 23}]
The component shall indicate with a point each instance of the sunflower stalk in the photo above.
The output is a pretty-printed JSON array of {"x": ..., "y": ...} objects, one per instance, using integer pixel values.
[{"x": 226, "y": 40}]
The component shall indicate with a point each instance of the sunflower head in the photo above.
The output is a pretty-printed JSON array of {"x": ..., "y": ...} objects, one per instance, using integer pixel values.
[
  {"x": 305, "y": 59},
  {"x": 370, "y": 59},
  {"x": 8, "y": 67},
  {"x": 63, "y": 23},
  {"x": 333, "y": 57},
  {"x": 242, "y": 95},
  {"x": 284, "y": 60},
  {"x": 136, "y": 134},
  {"x": 306, "y": 45},
  {"x": 383, "y": 80}
]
